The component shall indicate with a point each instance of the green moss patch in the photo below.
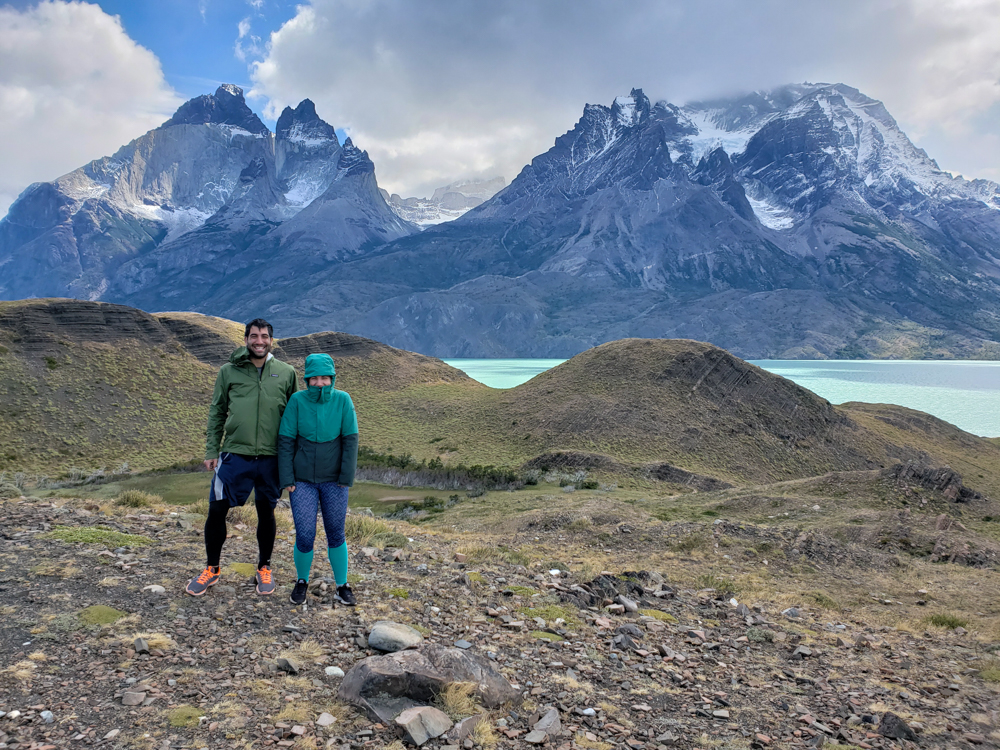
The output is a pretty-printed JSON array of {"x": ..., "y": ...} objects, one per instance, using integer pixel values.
[
  {"x": 399, "y": 593},
  {"x": 184, "y": 716},
  {"x": 97, "y": 535},
  {"x": 542, "y": 635},
  {"x": 246, "y": 570},
  {"x": 551, "y": 612},
  {"x": 522, "y": 590},
  {"x": 101, "y": 615},
  {"x": 661, "y": 616}
]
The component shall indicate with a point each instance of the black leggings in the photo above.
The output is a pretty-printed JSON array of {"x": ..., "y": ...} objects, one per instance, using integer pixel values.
[{"x": 215, "y": 530}]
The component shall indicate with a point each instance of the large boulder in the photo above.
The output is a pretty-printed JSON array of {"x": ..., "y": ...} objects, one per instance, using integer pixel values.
[{"x": 385, "y": 686}]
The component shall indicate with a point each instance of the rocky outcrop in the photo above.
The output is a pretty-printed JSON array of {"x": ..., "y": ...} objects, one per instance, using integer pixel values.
[{"x": 939, "y": 479}]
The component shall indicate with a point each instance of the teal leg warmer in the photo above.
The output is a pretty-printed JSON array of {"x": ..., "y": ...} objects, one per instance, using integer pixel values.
[
  {"x": 303, "y": 564},
  {"x": 338, "y": 561}
]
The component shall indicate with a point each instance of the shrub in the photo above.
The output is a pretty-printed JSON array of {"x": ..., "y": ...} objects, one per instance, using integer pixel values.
[
  {"x": 943, "y": 620},
  {"x": 136, "y": 499}
]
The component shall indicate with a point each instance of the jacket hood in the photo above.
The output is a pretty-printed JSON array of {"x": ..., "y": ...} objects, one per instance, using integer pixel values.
[
  {"x": 241, "y": 357},
  {"x": 320, "y": 364}
]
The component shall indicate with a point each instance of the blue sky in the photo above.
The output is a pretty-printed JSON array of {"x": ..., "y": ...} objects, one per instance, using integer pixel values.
[
  {"x": 441, "y": 90},
  {"x": 195, "y": 39}
]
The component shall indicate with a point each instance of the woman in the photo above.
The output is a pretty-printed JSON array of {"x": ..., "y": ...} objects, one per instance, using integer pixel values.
[{"x": 317, "y": 459}]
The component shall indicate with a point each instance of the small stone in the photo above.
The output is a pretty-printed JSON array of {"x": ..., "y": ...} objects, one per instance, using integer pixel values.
[
  {"x": 13, "y": 715},
  {"x": 133, "y": 699},
  {"x": 536, "y": 737},
  {"x": 325, "y": 719},
  {"x": 112, "y": 734},
  {"x": 802, "y": 651},
  {"x": 47, "y": 716},
  {"x": 721, "y": 714},
  {"x": 459, "y": 557},
  {"x": 628, "y": 604},
  {"x": 140, "y": 645},
  {"x": 392, "y": 636},
  {"x": 422, "y": 723},
  {"x": 288, "y": 665},
  {"x": 334, "y": 672},
  {"x": 792, "y": 613},
  {"x": 549, "y": 723},
  {"x": 298, "y": 731},
  {"x": 155, "y": 590},
  {"x": 463, "y": 644}
]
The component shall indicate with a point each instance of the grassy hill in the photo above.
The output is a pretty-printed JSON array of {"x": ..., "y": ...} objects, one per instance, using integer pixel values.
[{"x": 91, "y": 384}]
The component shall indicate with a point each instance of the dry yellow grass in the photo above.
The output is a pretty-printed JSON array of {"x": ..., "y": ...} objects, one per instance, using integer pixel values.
[
  {"x": 37, "y": 656},
  {"x": 308, "y": 651},
  {"x": 458, "y": 700},
  {"x": 156, "y": 640}
]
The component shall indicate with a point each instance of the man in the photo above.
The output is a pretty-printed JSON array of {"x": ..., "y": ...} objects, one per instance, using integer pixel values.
[{"x": 251, "y": 391}]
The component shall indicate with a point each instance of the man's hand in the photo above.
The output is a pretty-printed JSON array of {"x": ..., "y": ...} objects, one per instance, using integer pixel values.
[
  {"x": 211, "y": 463},
  {"x": 290, "y": 489}
]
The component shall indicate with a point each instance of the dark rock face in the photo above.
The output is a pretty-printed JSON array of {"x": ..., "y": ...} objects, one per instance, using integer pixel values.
[
  {"x": 941, "y": 479},
  {"x": 384, "y": 686},
  {"x": 171, "y": 216},
  {"x": 225, "y": 107}
]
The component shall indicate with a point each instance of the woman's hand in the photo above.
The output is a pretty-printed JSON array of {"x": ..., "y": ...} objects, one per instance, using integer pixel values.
[{"x": 290, "y": 489}]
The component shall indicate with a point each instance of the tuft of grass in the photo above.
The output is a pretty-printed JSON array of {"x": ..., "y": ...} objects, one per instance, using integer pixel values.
[
  {"x": 308, "y": 651},
  {"x": 661, "y": 616},
  {"x": 184, "y": 716},
  {"x": 458, "y": 700},
  {"x": 484, "y": 735},
  {"x": 55, "y": 569},
  {"x": 136, "y": 499},
  {"x": 491, "y": 554},
  {"x": 97, "y": 535},
  {"x": 523, "y": 590},
  {"x": 581, "y": 741},
  {"x": 551, "y": 612},
  {"x": 294, "y": 713},
  {"x": 22, "y": 670},
  {"x": 759, "y": 635},
  {"x": 366, "y": 531},
  {"x": 690, "y": 543},
  {"x": 399, "y": 593},
  {"x": 722, "y": 585},
  {"x": 99, "y": 614},
  {"x": 37, "y": 656},
  {"x": 990, "y": 670},
  {"x": 824, "y": 600},
  {"x": 943, "y": 620}
]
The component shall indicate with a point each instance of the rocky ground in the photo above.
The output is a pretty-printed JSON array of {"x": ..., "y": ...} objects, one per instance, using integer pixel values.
[{"x": 626, "y": 657}]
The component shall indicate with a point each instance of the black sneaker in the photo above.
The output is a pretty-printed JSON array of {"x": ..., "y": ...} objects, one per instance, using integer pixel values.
[
  {"x": 299, "y": 592},
  {"x": 345, "y": 596}
]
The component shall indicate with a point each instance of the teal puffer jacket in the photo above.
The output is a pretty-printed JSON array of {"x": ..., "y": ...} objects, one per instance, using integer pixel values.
[{"x": 318, "y": 437}]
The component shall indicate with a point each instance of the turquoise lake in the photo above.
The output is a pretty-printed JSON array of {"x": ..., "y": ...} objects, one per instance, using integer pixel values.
[{"x": 965, "y": 393}]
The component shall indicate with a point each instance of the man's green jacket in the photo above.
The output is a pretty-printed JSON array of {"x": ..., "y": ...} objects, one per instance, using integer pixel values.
[{"x": 247, "y": 406}]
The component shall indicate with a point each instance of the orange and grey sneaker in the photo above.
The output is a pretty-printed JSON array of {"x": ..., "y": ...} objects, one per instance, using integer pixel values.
[
  {"x": 265, "y": 583},
  {"x": 209, "y": 577}
]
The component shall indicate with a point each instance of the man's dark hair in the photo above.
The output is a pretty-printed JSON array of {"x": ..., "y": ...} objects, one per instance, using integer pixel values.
[{"x": 260, "y": 324}]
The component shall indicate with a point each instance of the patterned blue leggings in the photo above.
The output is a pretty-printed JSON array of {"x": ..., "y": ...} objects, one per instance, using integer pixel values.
[{"x": 331, "y": 499}]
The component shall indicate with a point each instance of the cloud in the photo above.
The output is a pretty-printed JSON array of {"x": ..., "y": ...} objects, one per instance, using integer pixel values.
[
  {"x": 450, "y": 89},
  {"x": 73, "y": 87},
  {"x": 249, "y": 49}
]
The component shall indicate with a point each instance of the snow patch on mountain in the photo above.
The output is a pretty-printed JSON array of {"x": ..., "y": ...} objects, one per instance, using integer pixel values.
[
  {"x": 711, "y": 136},
  {"x": 447, "y": 203},
  {"x": 177, "y": 220}
]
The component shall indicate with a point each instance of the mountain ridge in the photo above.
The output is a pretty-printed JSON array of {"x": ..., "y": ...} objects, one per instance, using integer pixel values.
[{"x": 794, "y": 223}]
